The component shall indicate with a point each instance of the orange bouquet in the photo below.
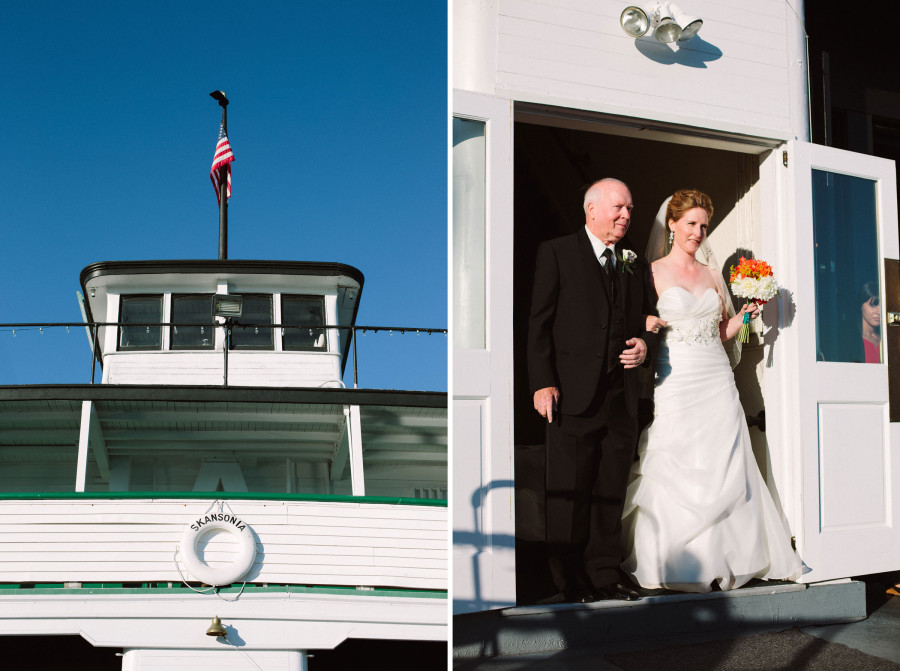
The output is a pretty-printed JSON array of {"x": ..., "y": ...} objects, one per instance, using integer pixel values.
[{"x": 752, "y": 279}]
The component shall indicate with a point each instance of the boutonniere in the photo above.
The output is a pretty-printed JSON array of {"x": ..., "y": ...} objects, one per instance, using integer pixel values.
[{"x": 626, "y": 261}]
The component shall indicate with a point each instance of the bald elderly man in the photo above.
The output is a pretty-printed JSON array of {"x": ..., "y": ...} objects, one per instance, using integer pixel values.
[{"x": 586, "y": 339}]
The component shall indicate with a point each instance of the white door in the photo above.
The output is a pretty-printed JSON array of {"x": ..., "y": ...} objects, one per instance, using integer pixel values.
[
  {"x": 481, "y": 386},
  {"x": 844, "y": 228}
]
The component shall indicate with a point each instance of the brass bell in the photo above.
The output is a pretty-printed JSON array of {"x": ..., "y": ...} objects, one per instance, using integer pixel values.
[{"x": 216, "y": 628}]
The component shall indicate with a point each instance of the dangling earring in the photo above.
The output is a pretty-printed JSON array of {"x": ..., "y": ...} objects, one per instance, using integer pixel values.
[{"x": 671, "y": 236}]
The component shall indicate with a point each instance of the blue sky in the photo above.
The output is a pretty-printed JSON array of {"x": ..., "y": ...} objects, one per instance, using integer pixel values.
[{"x": 338, "y": 121}]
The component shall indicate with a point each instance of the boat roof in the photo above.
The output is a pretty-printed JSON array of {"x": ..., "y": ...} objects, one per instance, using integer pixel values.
[
  {"x": 245, "y": 276},
  {"x": 224, "y": 268}
]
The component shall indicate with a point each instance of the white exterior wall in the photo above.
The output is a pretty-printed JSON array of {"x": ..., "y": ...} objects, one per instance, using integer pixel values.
[
  {"x": 257, "y": 368},
  {"x": 221, "y": 660},
  {"x": 745, "y": 71},
  {"x": 305, "y": 543},
  {"x": 149, "y": 625}
]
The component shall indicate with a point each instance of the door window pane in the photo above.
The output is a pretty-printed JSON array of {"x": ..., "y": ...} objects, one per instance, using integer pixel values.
[
  {"x": 252, "y": 330},
  {"x": 469, "y": 189},
  {"x": 848, "y": 295},
  {"x": 192, "y": 309},
  {"x": 144, "y": 312},
  {"x": 304, "y": 311}
]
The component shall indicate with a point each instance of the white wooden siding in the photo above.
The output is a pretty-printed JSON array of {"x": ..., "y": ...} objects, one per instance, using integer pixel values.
[
  {"x": 266, "y": 369},
  {"x": 735, "y": 75},
  {"x": 309, "y": 543},
  {"x": 221, "y": 660},
  {"x": 284, "y": 369}
]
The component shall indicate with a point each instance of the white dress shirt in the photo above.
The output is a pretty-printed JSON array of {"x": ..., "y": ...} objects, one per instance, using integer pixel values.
[{"x": 599, "y": 247}]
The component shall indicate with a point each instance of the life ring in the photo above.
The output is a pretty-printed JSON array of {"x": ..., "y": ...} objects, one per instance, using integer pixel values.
[{"x": 221, "y": 575}]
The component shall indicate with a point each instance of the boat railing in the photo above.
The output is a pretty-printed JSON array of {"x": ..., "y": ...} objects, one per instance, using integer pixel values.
[{"x": 92, "y": 329}]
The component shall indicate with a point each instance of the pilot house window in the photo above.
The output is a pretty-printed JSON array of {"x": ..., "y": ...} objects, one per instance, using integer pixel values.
[
  {"x": 140, "y": 317},
  {"x": 192, "y": 322},
  {"x": 253, "y": 329},
  {"x": 298, "y": 315}
]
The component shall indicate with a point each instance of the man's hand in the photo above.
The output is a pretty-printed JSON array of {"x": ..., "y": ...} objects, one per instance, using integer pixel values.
[
  {"x": 545, "y": 402},
  {"x": 635, "y": 355}
]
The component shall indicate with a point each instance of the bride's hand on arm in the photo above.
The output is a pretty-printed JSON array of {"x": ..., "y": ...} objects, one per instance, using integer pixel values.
[
  {"x": 733, "y": 325},
  {"x": 654, "y": 324}
]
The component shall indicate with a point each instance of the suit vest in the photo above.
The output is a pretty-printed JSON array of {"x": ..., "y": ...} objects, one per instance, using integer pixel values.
[{"x": 616, "y": 342}]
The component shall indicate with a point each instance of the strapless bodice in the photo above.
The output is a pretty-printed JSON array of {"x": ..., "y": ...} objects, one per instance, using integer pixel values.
[{"x": 693, "y": 320}]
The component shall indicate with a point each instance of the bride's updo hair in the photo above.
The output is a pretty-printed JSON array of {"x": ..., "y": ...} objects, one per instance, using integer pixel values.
[{"x": 687, "y": 199}]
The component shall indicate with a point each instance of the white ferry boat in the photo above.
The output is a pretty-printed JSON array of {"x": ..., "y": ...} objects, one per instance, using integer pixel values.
[{"x": 218, "y": 499}]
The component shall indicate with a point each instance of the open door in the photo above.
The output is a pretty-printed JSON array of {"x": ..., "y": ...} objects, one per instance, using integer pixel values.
[
  {"x": 844, "y": 244},
  {"x": 484, "y": 574}
]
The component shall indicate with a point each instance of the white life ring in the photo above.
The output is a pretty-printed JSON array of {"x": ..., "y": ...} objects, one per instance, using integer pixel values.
[{"x": 222, "y": 575}]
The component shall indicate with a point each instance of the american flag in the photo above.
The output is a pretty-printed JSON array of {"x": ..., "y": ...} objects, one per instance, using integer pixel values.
[{"x": 222, "y": 157}]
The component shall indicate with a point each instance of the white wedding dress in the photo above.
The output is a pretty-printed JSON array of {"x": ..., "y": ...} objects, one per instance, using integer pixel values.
[{"x": 697, "y": 510}]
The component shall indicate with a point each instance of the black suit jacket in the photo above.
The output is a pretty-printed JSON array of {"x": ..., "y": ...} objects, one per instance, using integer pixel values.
[{"x": 571, "y": 308}]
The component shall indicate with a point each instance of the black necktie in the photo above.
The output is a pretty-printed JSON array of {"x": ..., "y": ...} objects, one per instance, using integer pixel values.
[{"x": 610, "y": 271}]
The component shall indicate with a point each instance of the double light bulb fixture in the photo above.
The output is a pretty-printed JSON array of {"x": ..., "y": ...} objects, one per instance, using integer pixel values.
[{"x": 664, "y": 20}]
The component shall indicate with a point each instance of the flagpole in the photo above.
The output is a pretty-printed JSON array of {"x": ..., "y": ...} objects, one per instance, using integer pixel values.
[{"x": 223, "y": 183}]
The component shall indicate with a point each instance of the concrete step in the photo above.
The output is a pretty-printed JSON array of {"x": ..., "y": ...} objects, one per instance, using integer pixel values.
[{"x": 766, "y": 607}]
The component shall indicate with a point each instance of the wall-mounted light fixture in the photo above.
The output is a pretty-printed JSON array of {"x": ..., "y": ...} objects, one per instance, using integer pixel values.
[
  {"x": 225, "y": 305},
  {"x": 664, "y": 20}
]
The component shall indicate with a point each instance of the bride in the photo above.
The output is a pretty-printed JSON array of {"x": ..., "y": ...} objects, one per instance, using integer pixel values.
[{"x": 697, "y": 510}]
